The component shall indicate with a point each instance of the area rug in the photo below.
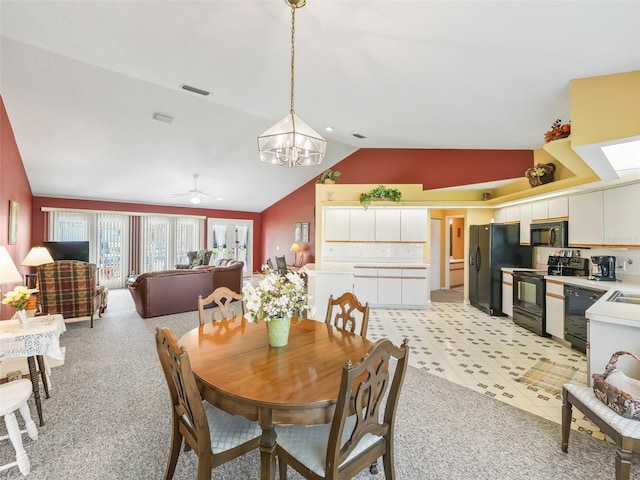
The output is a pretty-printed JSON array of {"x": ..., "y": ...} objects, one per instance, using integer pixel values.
[{"x": 550, "y": 376}]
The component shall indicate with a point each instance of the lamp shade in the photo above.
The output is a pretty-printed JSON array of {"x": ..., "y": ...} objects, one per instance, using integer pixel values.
[
  {"x": 291, "y": 143},
  {"x": 37, "y": 256},
  {"x": 295, "y": 247},
  {"x": 8, "y": 271}
]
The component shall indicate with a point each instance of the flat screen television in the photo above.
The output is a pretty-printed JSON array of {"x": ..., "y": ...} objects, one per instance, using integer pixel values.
[{"x": 69, "y": 250}]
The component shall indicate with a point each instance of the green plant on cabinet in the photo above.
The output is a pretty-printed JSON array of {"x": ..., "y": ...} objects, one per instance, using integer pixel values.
[{"x": 380, "y": 193}]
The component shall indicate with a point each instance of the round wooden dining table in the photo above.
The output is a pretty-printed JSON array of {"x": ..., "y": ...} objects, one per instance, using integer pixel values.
[{"x": 239, "y": 372}]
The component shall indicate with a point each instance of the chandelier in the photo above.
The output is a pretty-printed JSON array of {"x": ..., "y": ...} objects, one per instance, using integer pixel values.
[{"x": 291, "y": 142}]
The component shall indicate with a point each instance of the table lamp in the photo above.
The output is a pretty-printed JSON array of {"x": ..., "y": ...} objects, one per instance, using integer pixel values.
[
  {"x": 295, "y": 248},
  {"x": 37, "y": 256}
]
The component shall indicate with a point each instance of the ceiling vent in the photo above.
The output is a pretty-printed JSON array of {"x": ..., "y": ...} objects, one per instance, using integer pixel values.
[
  {"x": 357, "y": 135},
  {"x": 189, "y": 88},
  {"x": 162, "y": 118}
]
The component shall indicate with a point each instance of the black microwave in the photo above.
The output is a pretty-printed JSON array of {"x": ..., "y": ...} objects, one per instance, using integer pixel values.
[{"x": 550, "y": 234}]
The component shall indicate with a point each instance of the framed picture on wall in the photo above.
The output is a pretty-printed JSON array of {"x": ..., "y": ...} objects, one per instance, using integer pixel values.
[
  {"x": 305, "y": 232},
  {"x": 13, "y": 222},
  {"x": 297, "y": 232}
]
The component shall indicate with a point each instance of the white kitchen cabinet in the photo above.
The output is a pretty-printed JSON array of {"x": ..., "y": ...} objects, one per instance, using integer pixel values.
[
  {"x": 387, "y": 224},
  {"x": 413, "y": 224},
  {"x": 362, "y": 227},
  {"x": 555, "y": 308},
  {"x": 389, "y": 286},
  {"x": 540, "y": 211},
  {"x": 622, "y": 215},
  {"x": 322, "y": 284},
  {"x": 415, "y": 286},
  {"x": 525, "y": 224},
  {"x": 336, "y": 224},
  {"x": 507, "y": 294},
  {"x": 512, "y": 214},
  {"x": 586, "y": 219},
  {"x": 365, "y": 284},
  {"x": 499, "y": 215},
  {"x": 558, "y": 208}
]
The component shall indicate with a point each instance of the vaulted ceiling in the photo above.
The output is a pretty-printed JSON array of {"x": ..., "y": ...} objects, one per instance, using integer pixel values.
[{"x": 81, "y": 81}]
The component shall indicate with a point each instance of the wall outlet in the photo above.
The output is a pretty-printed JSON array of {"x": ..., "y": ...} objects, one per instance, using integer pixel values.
[{"x": 11, "y": 376}]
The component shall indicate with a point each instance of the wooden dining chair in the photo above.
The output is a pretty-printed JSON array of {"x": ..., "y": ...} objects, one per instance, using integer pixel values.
[
  {"x": 215, "y": 436},
  {"x": 347, "y": 312},
  {"x": 352, "y": 441},
  {"x": 228, "y": 304}
]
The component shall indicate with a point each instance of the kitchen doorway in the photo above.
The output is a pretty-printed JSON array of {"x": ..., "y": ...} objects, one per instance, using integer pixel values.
[{"x": 435, "y": 235}]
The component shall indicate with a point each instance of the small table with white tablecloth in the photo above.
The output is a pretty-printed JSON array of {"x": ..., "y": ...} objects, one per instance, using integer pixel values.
[{"x": 40, "y": 338}]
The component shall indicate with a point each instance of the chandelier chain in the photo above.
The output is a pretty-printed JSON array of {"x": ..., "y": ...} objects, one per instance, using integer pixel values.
[{"x": 293, "y": 50}]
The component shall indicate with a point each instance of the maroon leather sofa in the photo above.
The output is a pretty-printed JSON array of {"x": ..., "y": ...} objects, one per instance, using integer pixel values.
[{"x": 176, "y": 291}]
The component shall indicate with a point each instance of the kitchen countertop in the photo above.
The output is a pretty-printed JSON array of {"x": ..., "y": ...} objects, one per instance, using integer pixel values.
[
  {"x": 523, "y": 269},
  {"x": 338, "y": 267}
]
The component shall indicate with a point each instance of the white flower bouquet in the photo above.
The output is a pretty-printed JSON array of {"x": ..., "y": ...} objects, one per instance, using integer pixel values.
[
  {"x": 277, "y": 296},
  {"x": 18, "y": 297}
]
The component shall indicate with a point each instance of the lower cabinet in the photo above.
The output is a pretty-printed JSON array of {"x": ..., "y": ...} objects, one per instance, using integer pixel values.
[
  {"x": 555, "y": 308},
  {"x": 391, "y": 286},
  {"x": 507, "y": 294}
]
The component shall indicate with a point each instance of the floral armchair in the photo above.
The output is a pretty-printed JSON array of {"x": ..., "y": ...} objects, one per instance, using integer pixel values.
[
  {"x": 69, "y": 288},
  {"x": 196, "y": 259}
]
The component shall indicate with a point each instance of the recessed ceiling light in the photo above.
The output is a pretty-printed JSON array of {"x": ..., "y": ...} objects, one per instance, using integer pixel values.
[
  {"x": 162, "y": 118},
  {"x": 328, "y": 128},
  {"x": 199, "y": 91}
]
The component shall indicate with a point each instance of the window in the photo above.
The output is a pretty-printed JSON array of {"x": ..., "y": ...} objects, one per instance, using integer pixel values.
[{"x": 163, "y": 240}]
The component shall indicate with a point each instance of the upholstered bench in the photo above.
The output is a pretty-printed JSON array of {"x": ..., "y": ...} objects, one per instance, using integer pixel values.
[{"x": 623, "y": 431}]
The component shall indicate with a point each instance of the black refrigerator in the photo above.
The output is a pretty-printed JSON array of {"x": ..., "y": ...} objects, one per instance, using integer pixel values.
[{"x": 492, "y": 247}]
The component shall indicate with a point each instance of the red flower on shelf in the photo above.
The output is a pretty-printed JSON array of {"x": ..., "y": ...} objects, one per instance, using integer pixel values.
[{"x": 558, "y": 130}]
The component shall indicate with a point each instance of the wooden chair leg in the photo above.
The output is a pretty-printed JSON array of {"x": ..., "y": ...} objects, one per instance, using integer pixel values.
[
  {"x": 623, "y": 459},
  {"x": 43, "y": 375},
  {"x": 566, "y": 421}
]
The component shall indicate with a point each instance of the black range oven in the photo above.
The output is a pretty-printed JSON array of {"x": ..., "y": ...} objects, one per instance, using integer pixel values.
[{"x": 529, "y": 302}]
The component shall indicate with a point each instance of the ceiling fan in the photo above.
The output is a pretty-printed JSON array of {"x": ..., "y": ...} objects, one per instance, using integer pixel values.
[{"x": 195, "y": 195}]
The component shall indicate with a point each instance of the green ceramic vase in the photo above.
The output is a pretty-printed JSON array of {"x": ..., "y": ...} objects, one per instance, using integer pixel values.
[{"x": 278, "y": 329}]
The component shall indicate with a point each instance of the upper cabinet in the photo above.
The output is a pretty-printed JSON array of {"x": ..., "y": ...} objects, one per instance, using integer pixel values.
[
  {"x": 387, "y": 224},
  {"x": 586, "y": 219},
  {"x": 621, "y": 215},
  {"x": 383, "y": 224},
  {"x": 558, "y": 208},
  {"x": 540, "y": 210},
  {"x": 336, "y": 224},
  {"x": 413, "y": 224},
  {"x": 363, "y": 225},
  {"x": 552, "y": 209},
  {"x": 525, "y": 224},
  {"x": 512, "y": 214}
]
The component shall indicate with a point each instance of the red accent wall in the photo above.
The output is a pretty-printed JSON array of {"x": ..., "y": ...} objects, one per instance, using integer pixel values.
[
  {"x": 14, "y": 185},
  {"x": 432, "y": 168}
]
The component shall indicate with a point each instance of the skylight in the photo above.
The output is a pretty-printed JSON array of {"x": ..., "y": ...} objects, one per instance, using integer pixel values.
[{"x": 623, "y": 156}]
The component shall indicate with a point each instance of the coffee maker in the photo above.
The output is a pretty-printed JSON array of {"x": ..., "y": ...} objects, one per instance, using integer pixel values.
[{"x": 604, "y": 268}]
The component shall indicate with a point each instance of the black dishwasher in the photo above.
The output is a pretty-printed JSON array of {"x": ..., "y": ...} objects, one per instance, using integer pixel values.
[{"x": 577, "y": 301}]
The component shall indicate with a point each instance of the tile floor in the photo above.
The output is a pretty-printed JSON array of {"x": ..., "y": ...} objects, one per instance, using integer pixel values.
[{"x": 487, "y": 354}]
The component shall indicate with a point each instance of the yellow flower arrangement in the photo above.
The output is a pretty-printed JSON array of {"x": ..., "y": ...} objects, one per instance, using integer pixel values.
[{"x": 18, "y": 297}]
